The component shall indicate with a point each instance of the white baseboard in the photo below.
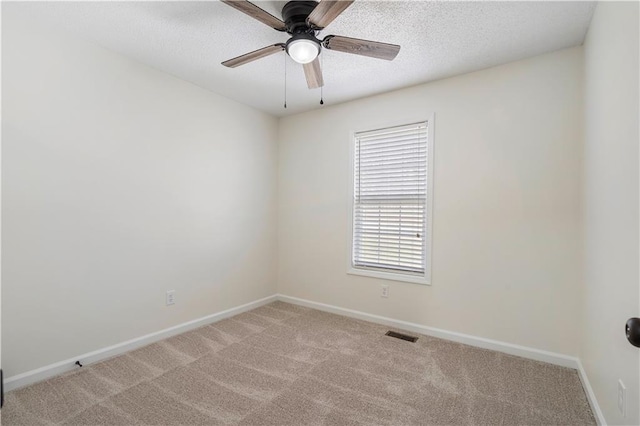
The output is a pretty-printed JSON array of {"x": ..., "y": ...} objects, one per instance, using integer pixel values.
[
  {"x": 508, "y": 348},
  {"x": 51, "y": 370},
  {"x": 522, "y": 351},
  {"x": 591, "y": 396}
]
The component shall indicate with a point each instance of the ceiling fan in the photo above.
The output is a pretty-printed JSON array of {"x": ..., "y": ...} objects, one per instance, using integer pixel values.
[{"x": 303, "y": 19}]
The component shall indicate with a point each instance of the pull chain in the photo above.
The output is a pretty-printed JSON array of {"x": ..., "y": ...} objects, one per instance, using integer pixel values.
[
  {"x": 285, "y": 80},
  {"x": 322, "y": 87}
]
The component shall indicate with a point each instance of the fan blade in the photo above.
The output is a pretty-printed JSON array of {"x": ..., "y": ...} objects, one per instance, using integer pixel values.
[
  {"x": 357, "y": 46},
  {"x": 326, "y": 11},
  {"x": 252, "y": 56},
  {"x": 314, "y": 74},
  {"x": 255, "y": 12}
]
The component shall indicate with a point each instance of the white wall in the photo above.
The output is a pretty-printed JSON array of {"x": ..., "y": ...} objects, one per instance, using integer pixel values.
[
  {"x": 120, "y": 182},
  {"x": 506, "y": 241},
  {"x": 116, "y": 186},
  {"x": 611, "y": 206}
]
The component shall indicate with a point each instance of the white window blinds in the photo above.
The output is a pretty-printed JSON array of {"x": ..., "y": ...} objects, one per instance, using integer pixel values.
[{"x": 390, "y": 199}]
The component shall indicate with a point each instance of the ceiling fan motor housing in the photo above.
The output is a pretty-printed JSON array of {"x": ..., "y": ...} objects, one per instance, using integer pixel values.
[
  {"x": 303, "y": 46},
  {"x": 295, "y": 14}
]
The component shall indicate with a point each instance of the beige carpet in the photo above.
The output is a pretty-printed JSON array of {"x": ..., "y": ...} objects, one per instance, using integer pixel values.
[{"x": 286, "y": 365}]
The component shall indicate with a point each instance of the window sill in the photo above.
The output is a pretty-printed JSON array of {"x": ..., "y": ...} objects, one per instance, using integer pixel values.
[{"x": 415, "y": 279}]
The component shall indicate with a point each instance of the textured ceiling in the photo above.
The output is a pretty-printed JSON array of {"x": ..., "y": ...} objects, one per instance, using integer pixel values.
[{"x": 439, "y": 39}]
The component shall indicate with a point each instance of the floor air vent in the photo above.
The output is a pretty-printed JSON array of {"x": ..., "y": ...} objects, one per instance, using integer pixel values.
[{"x": 401, "y": 336}]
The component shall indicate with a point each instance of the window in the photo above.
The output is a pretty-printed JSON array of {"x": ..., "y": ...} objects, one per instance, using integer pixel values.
[{"x": 391, "y": 203}]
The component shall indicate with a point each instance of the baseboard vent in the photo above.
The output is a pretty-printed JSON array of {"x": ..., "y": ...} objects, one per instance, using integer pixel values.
[{"x": 401, "y": 336}]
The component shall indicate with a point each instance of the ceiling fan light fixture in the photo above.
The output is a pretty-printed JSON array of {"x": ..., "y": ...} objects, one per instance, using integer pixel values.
[{"x": 303, "y": 48}]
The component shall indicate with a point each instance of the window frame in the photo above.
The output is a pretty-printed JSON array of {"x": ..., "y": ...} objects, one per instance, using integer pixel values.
[{"x": 424, "y": 279}]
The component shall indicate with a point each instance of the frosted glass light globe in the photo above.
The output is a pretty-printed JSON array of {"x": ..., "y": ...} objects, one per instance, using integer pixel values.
[{"x": 303, "y": 51}]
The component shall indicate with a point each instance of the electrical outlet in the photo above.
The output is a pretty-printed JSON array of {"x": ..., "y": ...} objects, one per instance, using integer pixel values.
[
  {"x": 171, "y": 297},
  {"x": 622, "y": 398},
  {"x": 385, "y": 291}
]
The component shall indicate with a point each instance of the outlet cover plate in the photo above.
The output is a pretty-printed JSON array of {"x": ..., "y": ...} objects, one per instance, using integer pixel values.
[
  {"x": 385, "y": 291},
  {"x": 171, "y": 297},
  {"x": 622, "y": 398}
]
